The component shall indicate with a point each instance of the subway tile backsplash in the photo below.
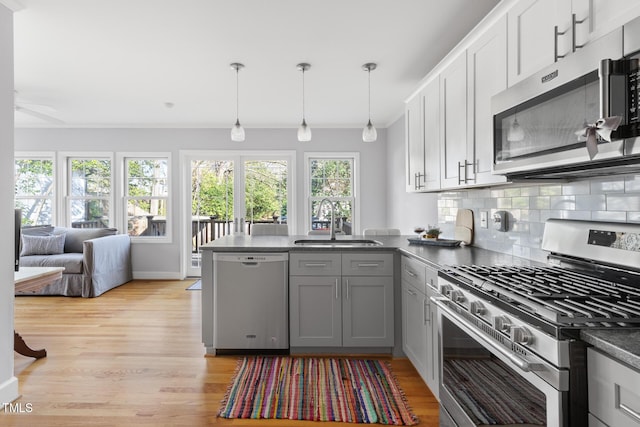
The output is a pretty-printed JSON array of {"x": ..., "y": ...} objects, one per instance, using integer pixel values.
[{"x": 615, "y": 199}]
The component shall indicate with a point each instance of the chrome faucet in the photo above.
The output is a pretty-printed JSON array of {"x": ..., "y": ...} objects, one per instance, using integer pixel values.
[{"x": 332, "y": 227}]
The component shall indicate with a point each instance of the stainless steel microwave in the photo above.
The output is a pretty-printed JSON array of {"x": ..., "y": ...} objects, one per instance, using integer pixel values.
[{"x": 535, "y": 121}]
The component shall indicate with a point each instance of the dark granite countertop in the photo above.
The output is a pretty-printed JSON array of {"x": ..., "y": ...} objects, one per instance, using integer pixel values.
[
  {"x": 436, "y": 256},
  {"x": 621, "y": 344}
]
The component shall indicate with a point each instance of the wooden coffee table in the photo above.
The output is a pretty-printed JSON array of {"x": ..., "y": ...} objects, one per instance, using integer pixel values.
[{"x": 32, "y": 279}]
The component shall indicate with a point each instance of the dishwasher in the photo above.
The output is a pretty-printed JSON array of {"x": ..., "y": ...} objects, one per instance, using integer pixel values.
[{"x": 251, "y": 313}]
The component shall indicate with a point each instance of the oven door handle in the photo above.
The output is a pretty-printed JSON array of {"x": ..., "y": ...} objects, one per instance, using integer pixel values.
[{"x": 522, "y": 364}]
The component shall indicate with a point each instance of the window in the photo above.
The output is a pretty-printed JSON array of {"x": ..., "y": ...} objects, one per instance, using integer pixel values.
[
  {"x": 34, "y": 189},
  {"x": 89, "y": 191},
  {"x": 332, "y": 177},
  {"x": 146, "y": 196}
]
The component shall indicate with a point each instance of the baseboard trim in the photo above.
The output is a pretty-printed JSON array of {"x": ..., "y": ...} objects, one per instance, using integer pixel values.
[
  {"x": 157, "y": 275},
  {"x": 9, "y": 390}
]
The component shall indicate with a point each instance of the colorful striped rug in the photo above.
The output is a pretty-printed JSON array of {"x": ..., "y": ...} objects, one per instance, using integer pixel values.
[{"x": 316, "y": 389}]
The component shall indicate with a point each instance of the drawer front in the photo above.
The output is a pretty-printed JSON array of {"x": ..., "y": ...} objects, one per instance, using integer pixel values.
[
  {"x": 367, "y": 264},
  {"x": 414, "y": 272},
  {"x": 614, "y": 396},
  {"x": 314, "y": 264}
]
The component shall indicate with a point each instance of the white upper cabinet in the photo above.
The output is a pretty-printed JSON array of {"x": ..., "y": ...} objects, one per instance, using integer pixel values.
[
  {"x": 541, "y": 32},
  {"x": 487, "y": 76},
  {"x": 422, "y": 120},
  {"x": 594, "y": 18},
  {"x": 431, "y": 119},
  {"x": 455, "y": 158},
  {"x": 414, "y": 144},
  {"x": 531, "y": 37}
]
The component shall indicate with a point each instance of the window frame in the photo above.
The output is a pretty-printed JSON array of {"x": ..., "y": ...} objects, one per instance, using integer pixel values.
[
  {"x": 121, "y": 186},
  {"x": 355, "y": 185},
  {"x": 41, "y": 155},
  {"x": 64, "y": 202}
]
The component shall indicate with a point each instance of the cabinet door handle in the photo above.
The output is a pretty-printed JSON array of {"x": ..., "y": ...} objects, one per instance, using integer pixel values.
[
  {"x": 410, "y": 273},
  {"x": 557, "y": 33},
  {"x": 426, "y": 312},
  {"x": 410, "y": 292},
  {"x": 369, "y": 264},
  {"x": 315, "y": 264},
  {"x": 337, "y": 295},
  {"x": 574, "y": 23},
  {"x": 627, "y": 410},
  {"x": 466, "y": 175},
  {"x": 347, "y": 288}
]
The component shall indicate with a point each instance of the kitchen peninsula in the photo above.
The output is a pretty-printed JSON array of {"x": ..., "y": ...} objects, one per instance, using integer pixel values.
[{"x": 382, "y": 259}]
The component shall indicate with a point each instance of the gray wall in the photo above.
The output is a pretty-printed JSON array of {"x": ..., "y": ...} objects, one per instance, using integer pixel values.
[
  {"x": 163, "y": 260},
  {"x": 8, "y": 383}
]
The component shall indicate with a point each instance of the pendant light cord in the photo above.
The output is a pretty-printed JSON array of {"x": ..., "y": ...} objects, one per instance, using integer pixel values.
[
  {"x": 303, "y": 115},
  {"x": 369, "y": 72},
  {"x": 237, "y": 95}
]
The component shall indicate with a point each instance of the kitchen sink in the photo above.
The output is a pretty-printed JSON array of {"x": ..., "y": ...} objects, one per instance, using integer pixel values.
[{"x": 337, "y": 243}]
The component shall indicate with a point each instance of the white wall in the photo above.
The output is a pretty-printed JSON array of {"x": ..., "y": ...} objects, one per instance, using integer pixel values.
[
  {"x": 8, "y": 383},
  {"x": 405, "y": 210},
  {"x": 163, "y": 260}
]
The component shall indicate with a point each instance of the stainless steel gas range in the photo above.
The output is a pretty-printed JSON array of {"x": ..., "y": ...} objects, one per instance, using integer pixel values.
[{"x": 509, "y": 335}]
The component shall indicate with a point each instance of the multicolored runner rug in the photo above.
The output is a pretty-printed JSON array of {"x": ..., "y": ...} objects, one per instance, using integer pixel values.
[{"x": 316, "y": 389}]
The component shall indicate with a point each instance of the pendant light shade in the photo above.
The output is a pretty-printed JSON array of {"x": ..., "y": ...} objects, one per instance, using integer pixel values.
[
  {"x": 304, "y": 131},
  {"x": 237, "y": 131},
  {"x": 369, "y": 133}
]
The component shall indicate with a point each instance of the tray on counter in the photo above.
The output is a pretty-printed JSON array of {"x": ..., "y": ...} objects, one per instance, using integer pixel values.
[{"x": 435, "y": 242}]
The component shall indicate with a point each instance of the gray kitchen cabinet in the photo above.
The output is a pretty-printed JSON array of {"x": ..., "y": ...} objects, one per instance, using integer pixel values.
[
  {"x": 353, "y": 308},
  {"x": 419, "y": 323},
  {"x": 614, "y": 397},
  {"x": 487, "y": 76}
]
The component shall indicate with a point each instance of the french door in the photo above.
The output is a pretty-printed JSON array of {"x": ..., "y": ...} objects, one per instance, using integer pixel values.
[{"x": 229, "y": 192}]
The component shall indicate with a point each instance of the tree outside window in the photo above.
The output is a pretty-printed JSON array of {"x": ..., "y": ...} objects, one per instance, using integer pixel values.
[
  {"x": 332, "y": 178},
  {"x": 147, "y": 196},
  {"x": 90, "y": 193},
  {"x": 34, "y": 190}
]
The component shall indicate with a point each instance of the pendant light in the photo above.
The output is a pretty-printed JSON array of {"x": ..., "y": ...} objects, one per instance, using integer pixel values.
[
  {"x": 369, "y": 133},
  {"x": 237, "y": 131},
  {"x": 304, "y": 131}
]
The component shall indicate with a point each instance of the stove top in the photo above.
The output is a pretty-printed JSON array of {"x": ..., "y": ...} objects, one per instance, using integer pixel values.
[{"x": 556, "y": 294}]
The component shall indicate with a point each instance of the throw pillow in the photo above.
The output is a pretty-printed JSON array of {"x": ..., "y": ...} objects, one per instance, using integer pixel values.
[{"x": 42, "y": 245}]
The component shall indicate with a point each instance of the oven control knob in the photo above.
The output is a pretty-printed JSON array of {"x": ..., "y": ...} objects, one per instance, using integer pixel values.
[
  {"x": 446, "y": 290},
  {"x": 501, "y": 323},
  {"x": 521, "y": 335},
  {"x": 456, "y": 296},
  {"x": 476, "y": 307}
]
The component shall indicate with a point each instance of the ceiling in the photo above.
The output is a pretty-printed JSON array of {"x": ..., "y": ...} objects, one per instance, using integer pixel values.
[{"x": 166, "y": 63}]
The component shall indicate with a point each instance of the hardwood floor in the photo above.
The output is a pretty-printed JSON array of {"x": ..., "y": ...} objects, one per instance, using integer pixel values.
[{"x": 134, "y": 356}]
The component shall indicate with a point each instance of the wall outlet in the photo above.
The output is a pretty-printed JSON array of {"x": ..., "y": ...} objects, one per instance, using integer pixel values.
[{"x": 484, "y": 219}]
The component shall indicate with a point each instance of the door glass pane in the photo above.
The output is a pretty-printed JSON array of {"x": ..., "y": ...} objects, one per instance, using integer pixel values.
[
  {"x": 212, "y": 210},
  {"x": 265, "y": 191}
]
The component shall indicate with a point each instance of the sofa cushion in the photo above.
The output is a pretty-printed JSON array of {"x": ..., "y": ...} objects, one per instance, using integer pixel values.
[
  {"x": 72, "y": 262},
  {"x": 42, "y": 245},
  {"x": 75, "y": 236},
  {"x": 37, "y": 230}
]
